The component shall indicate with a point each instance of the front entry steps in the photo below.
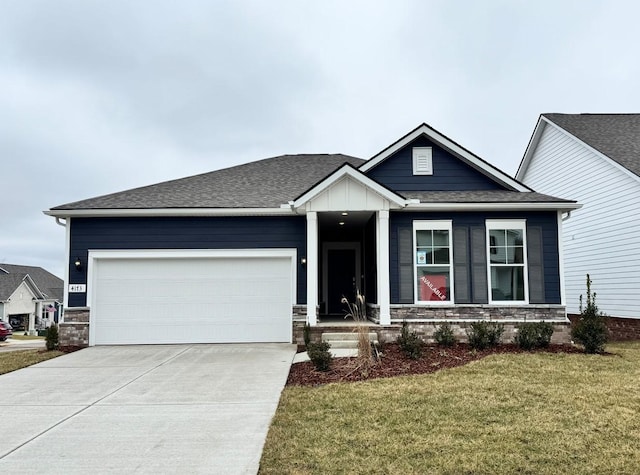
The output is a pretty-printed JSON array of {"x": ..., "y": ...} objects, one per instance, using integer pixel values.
[
  {"x": 346, "y": 340},
  {"x": 342, "y": 345}
]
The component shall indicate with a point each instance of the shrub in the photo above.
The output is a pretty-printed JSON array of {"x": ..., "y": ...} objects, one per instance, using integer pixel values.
[
  {"x": 534, "y": 335},
  {"x": 410, "y": 342},
  {"x": 52, "y": 339},
  {"x": 306, "y": 334},
  {"x": 320, "y": 355},
  {"x": 444, "y": 335},
  {"x": 591, "y": 328},
  {"x": 484, "y": 334}
]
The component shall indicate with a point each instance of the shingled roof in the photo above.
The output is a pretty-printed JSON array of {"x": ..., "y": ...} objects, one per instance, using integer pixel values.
[
  {"x": 266, "y": 183},
  {"x": 12, "y": 275},
  {"x": 483, "y": 196},
  {"x": 615, "y": 135}
]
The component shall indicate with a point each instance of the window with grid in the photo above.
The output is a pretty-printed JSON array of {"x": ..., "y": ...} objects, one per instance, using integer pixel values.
[
  {"x": 433, "y": 262},
  {"x": 507, "y": 266}
]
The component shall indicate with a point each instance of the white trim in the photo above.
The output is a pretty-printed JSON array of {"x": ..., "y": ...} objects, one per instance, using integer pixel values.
[
  {"x": 475, "y": 206},
  {"x": 563, "y": 295},
  {"x": 535, "y": 139},
  {"x": 331, "y": 246},
  {"x": 312, "y": 268},
  {"x": 382, "y": 274},
  {"x": 432, "y": 225},
  {"x": 508, "y": 224},
  {"x": 67, "y": 262},
  {"x": 282, "y": 211},
  {"x": 348, "y": 170},
  {"x": 95, "y": 255},
  {"x": 448, "y": 144}
]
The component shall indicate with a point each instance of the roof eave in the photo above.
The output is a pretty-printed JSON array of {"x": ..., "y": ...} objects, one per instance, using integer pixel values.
[
  {"x": 510, "y": 206},
  {"x": 159, "y": 212}
]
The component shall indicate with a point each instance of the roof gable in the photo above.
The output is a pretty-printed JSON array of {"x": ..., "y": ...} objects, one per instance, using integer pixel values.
[
  {"x": 450, "y": 151},
  {"x": 10, "y": 283},
  {"x": 614, "y": 137},
  {"x": 47, "y": 284},
  {"x": 348, "y": 189},
  {"x": 449, "y": 173}
]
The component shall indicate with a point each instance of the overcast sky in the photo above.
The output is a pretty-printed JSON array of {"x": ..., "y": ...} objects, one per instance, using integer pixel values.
[{"x": 103, "y": 96}]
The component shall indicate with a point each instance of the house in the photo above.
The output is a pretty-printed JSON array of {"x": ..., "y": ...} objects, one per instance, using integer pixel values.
[
  {"x": 425, "y": 229},
  {"x": 30, "y": 296},
  {"x": 594, "y": 158}
]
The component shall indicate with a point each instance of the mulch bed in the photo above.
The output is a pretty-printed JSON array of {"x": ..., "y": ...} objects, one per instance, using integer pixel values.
[{"x": 394, "y": 363}]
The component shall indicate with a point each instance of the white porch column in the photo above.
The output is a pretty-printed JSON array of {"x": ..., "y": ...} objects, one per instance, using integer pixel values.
[
  {"x": 312, "y": 267},
  {"x": 384, "y": 299}
]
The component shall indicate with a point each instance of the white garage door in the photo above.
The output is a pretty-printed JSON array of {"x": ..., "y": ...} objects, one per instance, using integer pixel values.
[{"x": 221, "y": 298}]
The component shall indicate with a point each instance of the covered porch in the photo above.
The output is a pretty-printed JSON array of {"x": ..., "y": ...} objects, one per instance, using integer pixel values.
[{"x": 347, "y": 226}]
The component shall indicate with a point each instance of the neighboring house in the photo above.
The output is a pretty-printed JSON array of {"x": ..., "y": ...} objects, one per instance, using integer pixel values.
[
  {"x": 29, "y": 296},
  {"x": 428, "y": 231},
  {"x": 594, "y": 158}
]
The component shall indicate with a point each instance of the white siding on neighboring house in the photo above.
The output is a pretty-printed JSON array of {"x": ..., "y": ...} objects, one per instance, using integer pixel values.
[
  {"x": 603, "y": 237},
  {"x": 21, "y": 301}
]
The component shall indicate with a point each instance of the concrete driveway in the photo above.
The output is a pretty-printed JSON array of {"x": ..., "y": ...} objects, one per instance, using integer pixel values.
[{"x": 143, "y": 409}]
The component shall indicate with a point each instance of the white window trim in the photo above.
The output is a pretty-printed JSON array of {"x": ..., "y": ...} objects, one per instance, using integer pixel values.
[
  {"x": 429, "y": 226},
  {"x": 416, "y": 151},
  {"x": 492, "y": 224}
]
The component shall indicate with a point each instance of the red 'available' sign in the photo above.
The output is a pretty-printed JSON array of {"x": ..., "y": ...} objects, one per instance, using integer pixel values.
[{"x": 433, "y": 287}]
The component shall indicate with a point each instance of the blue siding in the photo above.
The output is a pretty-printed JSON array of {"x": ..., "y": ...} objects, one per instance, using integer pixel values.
[
  {"x": 547, "y": 221},
  {"x": 185, "y": 233},
  {"x": 449, "y": 172}
]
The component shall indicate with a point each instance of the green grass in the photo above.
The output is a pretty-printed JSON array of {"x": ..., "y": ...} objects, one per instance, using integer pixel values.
[
  {"x": 13, "y": 360},
  {"x": 505, "y": 414}
]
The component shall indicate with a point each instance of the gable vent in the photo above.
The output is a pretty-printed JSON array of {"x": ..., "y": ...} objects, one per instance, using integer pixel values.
[{"x": 422, "y": 161}]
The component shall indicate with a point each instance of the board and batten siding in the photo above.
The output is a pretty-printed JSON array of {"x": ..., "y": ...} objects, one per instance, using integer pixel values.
[
  {"x": 255, "y": 232},
  {"x": 469, "y": 230},
  {"x": 603, "y": 237}
]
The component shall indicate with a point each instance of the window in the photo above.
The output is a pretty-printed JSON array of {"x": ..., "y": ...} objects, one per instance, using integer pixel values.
[
  {"x": 432, "y": 262},
  {"x": 507, "y": 269},
  {"x": 422, "y": 161}
]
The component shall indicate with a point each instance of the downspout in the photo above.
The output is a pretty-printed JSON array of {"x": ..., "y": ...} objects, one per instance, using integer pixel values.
[{"x": 566, "y": 216}]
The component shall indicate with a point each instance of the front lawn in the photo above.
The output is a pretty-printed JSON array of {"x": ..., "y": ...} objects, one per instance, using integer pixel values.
[
  {"x": 13, "y": 360},
  {"x": 512, "y": 413}
]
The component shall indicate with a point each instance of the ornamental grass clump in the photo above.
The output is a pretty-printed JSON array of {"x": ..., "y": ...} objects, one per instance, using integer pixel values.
[
  {"x": 358, "y": 311},
  {"x": 591, "y": 328}
]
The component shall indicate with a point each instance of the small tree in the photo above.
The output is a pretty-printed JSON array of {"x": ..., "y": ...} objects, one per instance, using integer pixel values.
[
  {"x": 52, "y": 338},
  {"x": 591, "y": 328}
]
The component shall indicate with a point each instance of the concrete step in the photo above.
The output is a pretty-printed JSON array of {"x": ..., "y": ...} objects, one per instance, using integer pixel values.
[
  {"x": 346, "y": 340},
  {"x": 346, "y": 336}
]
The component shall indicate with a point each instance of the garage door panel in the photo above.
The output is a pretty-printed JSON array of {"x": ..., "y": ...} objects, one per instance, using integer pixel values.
[{"x": 209, "y": 300}]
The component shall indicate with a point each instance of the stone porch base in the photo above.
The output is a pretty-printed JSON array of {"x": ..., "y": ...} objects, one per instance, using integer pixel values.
[{"x": 74, "y": 331}]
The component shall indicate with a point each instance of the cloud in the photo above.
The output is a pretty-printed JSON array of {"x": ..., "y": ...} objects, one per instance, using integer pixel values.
[{"x": 99, "y": 96}]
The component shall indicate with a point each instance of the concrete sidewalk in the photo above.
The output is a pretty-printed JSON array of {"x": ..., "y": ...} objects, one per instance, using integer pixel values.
[
  {"x": 143, "y": 409},
  {"x": 12, "y": 344}
]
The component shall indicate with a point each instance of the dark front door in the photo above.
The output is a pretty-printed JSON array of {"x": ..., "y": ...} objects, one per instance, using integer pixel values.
[{"x": 341, "y": 278}]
